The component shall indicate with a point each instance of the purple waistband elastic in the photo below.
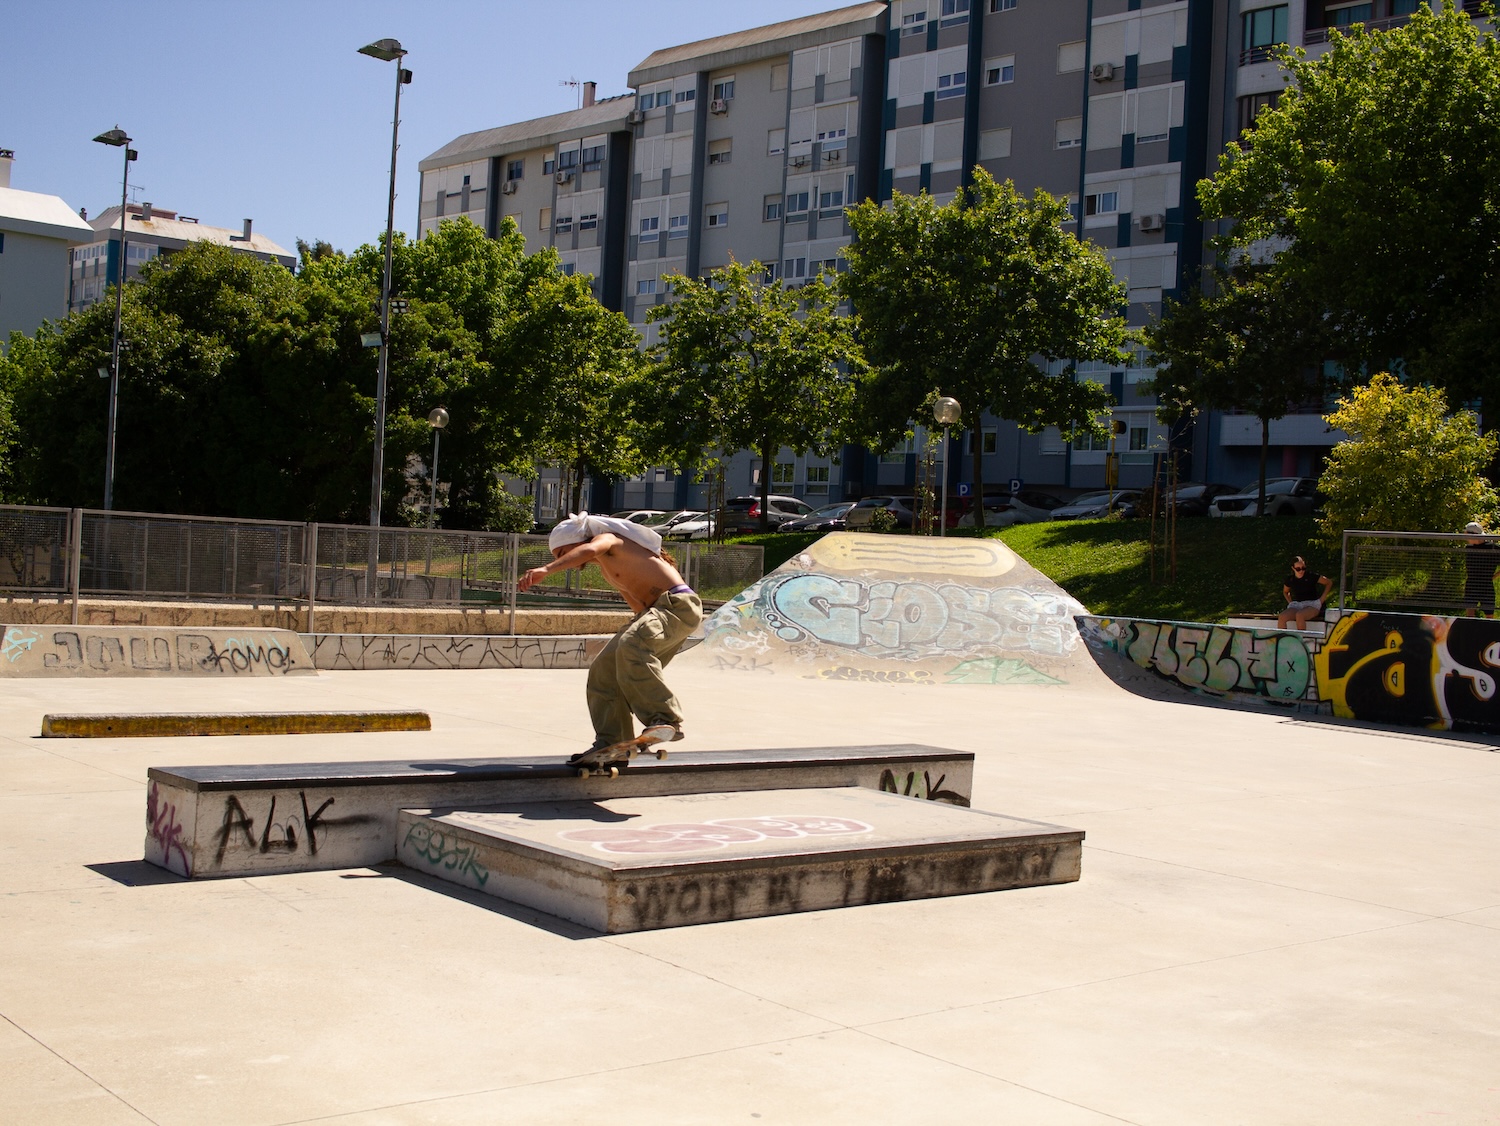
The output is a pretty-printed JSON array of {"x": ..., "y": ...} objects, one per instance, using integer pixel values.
[{"x": 680, "y": 588}]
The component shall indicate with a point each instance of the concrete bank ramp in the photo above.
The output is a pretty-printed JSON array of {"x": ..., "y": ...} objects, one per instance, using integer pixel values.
[
  {"x": 905, "y": 610},
  {"x": 114, "y": 651}
]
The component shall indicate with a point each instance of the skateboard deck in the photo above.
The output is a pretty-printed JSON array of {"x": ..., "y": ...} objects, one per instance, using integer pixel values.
[{"x": 609, "y": 761}]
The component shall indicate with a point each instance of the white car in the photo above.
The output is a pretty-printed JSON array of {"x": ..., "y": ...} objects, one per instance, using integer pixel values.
[
  {"x": 1285, "y": 496},
  {"x": 1091, "y": 506},
  {"x": 699, "y": 526},
  {"x": 1001, "y": 511}
]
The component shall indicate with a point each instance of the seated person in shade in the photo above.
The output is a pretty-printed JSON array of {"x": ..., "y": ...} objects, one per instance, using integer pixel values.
[
  {"x": 1481, "y": 559},
  {"x": 1304, "y": 599}
]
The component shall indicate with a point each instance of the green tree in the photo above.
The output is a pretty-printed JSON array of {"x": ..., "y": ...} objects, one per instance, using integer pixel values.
[
  {"x": 1376, "y": 175},
  {"x": 745, "y": 364},
  {"x": 1407, "y": 465},
  {"x": 974, "y": 298},
  {"x": 1253, "y": 344}
]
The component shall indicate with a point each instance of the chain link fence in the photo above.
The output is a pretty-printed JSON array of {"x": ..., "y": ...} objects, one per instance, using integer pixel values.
[
  {"x": 1425, "y": 572},
  {"x": 88, "y": 553}
]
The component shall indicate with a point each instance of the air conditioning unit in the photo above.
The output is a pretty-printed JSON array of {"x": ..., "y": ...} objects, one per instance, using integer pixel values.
[
  {"x": 1153, "y": 222},
  {"x": 635, "y": 117},
  {"x": 563, "y": 177},
  {"x": 1103, "y": 72},
  {"x": 718, "y": 105},
  {"x": 508, "y": 188}
]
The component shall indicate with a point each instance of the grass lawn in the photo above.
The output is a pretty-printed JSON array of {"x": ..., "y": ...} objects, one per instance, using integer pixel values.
[{"x": 1223, "y": 566}]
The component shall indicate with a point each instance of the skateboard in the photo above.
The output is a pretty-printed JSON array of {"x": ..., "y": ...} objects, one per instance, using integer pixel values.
[{"x": 607, "y": 762}]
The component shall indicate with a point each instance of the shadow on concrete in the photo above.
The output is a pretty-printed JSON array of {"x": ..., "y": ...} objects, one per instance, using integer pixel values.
[
  {"x": 562, "y": 928},
  {"x": 136, "y": 873}
]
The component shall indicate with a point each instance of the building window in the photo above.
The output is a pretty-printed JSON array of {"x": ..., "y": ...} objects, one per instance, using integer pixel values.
[
  {"x": 1266, "y": 28},
  {"x": 831, "y": 201},
  {"x": 1090, "y": 443},
  {"x": 794, "y": 269},
  {"x": 773, "y": 208},
  {"x": 896, "y": 455},
  {"x": 784, "y": 475},
  {"x": 988, "y": 441},
  {"x": 724, "y": 91},
  {"x": 1138, "y": 437},
  {"x": 650, "y": 224},
  {"x": 515, "y": 169},
  {"x": 677, "y": 226},
  {"x": 588, "y": 222},
  {"x": 1002, "y": 5},
  {"x": 593, "y": 158},
  {"x": 796, "y": 203},
  {"x": 645, "y": 286},
  {"x": 564, "y": 224},
  {"x": 951, "y": 85},
  {"x": 717, "y": 214},
  {"x": 1348, "y": 14},
  {"x": 719, "y": 151},
  {"x": 549, "y": 166},
  {"x": 999, "y": 72},
  {"x": 688, "y": 95},
  {"x": 568, "y": 268},
  {"x": 775, "y": 142},
  {"x": 1251, "y": 105},
  {"x": 1101, "y": 203},
  {"x": 817, "y": 479},
  {"x": 1069, "y": 132},
  {"x": 914, "y": 23},
  {"x": 1071, "y": 56},
  {"x": 770, "y": 272},
  {"x": 544, "y": 219},
  {"x": 954, "y": 12}
]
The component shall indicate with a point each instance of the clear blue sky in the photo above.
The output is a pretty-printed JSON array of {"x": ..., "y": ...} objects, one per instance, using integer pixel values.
[{"x": 263, "y": 108}]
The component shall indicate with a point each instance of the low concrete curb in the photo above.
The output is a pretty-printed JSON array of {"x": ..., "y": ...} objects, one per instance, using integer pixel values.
[{"x": 155, "y": 724}]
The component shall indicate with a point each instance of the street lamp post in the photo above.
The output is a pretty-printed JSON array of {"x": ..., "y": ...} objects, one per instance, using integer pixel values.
[
  {"x": 437, "y": 419},
  {"x": 116, "y": 137},
  {"x": 386, "y": 50},
  {"x": 946, "y": 411}
]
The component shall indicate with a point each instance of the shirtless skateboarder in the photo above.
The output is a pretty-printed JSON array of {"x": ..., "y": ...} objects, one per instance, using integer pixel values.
[{"x": 625, "y": 680}]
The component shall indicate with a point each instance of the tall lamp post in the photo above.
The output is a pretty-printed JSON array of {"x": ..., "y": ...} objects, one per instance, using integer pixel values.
[
  {"x": 386, "y": 50},
  {"x": 437, "y": 419},
  {"x": 946, "y": 412},
  {"x": 116, "y": 137}
]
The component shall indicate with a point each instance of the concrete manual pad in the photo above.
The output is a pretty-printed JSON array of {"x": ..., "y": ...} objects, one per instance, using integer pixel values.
[{"x": 641, "y": 863}]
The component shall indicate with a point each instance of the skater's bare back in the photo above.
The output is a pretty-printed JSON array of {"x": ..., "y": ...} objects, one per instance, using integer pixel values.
[{"x": 632, "y": 570}]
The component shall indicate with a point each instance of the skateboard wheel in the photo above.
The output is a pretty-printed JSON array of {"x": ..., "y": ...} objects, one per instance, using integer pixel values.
[
  {"x": 614, "y": 772},
  {"x": 661, "y": 754},
  {"x": 583, "y": 772}
]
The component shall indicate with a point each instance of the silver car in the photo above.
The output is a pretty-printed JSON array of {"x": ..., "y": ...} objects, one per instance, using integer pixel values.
[{"x": 1285, "y": 496}]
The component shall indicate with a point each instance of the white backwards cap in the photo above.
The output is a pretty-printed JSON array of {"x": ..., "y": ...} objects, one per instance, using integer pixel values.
[{"x": 580, "y": 527}]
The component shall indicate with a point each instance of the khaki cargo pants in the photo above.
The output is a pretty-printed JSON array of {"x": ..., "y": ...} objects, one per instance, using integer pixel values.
[{"x": 625, "y": 680}]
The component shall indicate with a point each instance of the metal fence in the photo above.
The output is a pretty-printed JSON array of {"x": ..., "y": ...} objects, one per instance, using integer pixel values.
[
  {"x": 1420, "y": 571},
  {"x": 87, "y": 553}
]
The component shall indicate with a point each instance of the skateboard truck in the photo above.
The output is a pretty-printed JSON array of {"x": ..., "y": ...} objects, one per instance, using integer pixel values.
[{"x": 608, "y": 761}]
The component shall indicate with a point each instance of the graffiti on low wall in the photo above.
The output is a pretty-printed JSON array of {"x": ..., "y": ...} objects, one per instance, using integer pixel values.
[
  {"x": 1218, "y": 660},
  {"x": 150, "y": 651},
  {"x": 451, "y": 651}
]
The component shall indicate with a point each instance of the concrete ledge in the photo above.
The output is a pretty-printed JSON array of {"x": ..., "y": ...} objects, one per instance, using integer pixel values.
[
  {"x": 119, "y": 651},
  {"x": 622, "y": 864},
  {"x": 148, "y": 724},
  {"x": 258, "y": 820}
]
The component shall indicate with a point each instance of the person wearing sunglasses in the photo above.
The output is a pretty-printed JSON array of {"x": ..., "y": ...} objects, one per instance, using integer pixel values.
[{"x": 1304, "y": 598}]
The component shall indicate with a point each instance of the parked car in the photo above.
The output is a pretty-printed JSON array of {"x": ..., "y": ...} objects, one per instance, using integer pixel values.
[
  {"x": 1285, "y": 496},
  {"x": 695, "y": 526},
  {"x": 1193, "y": 499},
  {"x": 741, "y": 515},
  {"x": 637, "y": 515},
  {"x": 1029, "y": 506},
  {"x": 829, "y": 518},
  {"x": 664, "y": 520},
  {"x": 861, "y": 516},
  {"x": 1091, "y": 506}
]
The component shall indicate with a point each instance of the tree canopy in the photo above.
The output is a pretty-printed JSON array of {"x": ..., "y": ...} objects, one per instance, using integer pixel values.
[
  {"x": 1407, "y": 465},
  {"x": 747, "y": 364},
  {"x": 974, "y": 299},
  {"x": 1375, "y": 179}
]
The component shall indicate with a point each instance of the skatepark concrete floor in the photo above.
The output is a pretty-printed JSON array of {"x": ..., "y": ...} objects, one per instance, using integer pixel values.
[{"x": 1280, "y": 920}]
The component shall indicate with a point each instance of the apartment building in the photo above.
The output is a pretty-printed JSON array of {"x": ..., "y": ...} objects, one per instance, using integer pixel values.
[
  {"x": 37, "y": 232},
  {"x": 151, "y": 231},
  {"x": 563, "y": 180},
  {"x": 750, "y": 145}
]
